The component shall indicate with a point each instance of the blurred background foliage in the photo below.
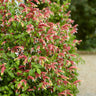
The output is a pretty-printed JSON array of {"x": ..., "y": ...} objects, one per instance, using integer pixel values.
[{"x": 83, "y": 12}]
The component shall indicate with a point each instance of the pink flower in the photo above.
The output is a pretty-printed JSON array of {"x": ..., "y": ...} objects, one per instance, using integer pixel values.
[
  {"x": 38, "y": 48},
  {"x": 65, "y": 82},
  {"x": 34, "y": 87},
  {"x": 29, "y": 28},
  {"x": 73, "y": 67},
  {"x": 51, "y": 24},
  {"x": 22, "y": 66},
  {"x": 66, "y": 26},
  {"x": 3, "y": 69},
  {"x": 45, "y": 77},
  {"x": 61, "y": 54},
  {"x": 22, "y": 47},
  {"x": 8, "y": 14},
  {"x": 50, "y": 46},
  {"x": 29, "y": 15},
  {"x": 65, "y": 93},
  {"x": 37, "y": 75},
  {"x": 47, "y": 12},
  {"x": 73, "y": 55},
  {"x": 19, "y": 85},
  {"x": 22, "y": 5},
  {"x": 68, "y": 48},
  {"x": 43, "y": 1},
  {"x": 26, "y": 70},
  {"x": 77, "y": 81},
  {"x": 63, "y": 77},
  {"x": 10, "y": 20},
  {"x": 41, "y": 57},
  {"x": 6, "y": 0},
  {"x": 30, "y": 89},
  {"x": 42, "y": 41},
  {"x": 62, "y": 93},
  {"x": 18, "y": 74},
  {"x": 59, "y": 71},
  {"x": 20, "y": 57},
  {"x": 35, "y": 19},
  {"x": 75, "y": 41},
  {"x": 72, "y": 62},
  {"x": 22, "y": 81},
  {"x": 73, "y": 31},
  {"x": 43, "y": 73},
  {"x": 36, "y": 1},
  {"x": 26, "y": 60},
  {"x": 30, "y": 77},
  {"x": 42, "y": 25},
  {"x": 68, "y": 14},
  {"x": 3, "y": 42},
  {"x": 56, "y": 37},
  {"x": 75, "y": 26},
  {"x": 49, "y": 1},
  {"x": 50, "y": 31},
  {"x": 15, "y": 48}
]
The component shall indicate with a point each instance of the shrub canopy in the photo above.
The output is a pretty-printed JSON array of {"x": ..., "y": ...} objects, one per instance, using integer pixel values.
[{"x": 37, "y": 56}]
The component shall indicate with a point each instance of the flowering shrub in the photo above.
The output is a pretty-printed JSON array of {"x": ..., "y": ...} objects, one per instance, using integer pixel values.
[{"x": 37, "y": 56}]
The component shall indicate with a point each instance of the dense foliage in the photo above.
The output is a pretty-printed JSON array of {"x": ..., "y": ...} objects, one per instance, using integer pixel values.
[
  {"x": 37, "y": 56},
  {"x": 84, "y": 14}
]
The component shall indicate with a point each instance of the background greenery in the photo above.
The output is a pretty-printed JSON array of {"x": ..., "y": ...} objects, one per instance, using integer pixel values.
[{"x": 84, "y": 14}]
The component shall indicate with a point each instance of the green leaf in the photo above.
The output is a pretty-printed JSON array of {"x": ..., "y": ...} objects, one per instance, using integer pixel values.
[
  {"x": 54, "y": 89},
  {"x": 5, "y": 95},
  {"x": 32, "y": 72},
  {"x": 38, "y": 71},
  {"x": 23, "y": 94},
  {"x": 12, "y": 86},
  {"x": 40, "y": 85},
  {"x": 4, "y": 56},
  {"x": 11, "y": 55},
  {"x": 17, "y": 62},
  {"x": 11, "y": 74}
]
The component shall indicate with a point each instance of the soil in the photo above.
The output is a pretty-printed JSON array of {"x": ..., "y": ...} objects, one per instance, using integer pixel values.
[{"x": 87, "y": 74}]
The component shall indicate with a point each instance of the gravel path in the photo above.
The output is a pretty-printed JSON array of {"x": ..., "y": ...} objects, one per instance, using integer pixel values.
[{"x": 87, "y": 74}]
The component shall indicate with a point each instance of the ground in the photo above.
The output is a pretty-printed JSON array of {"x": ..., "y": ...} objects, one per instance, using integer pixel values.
[{"x": 87, "y": 74}]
